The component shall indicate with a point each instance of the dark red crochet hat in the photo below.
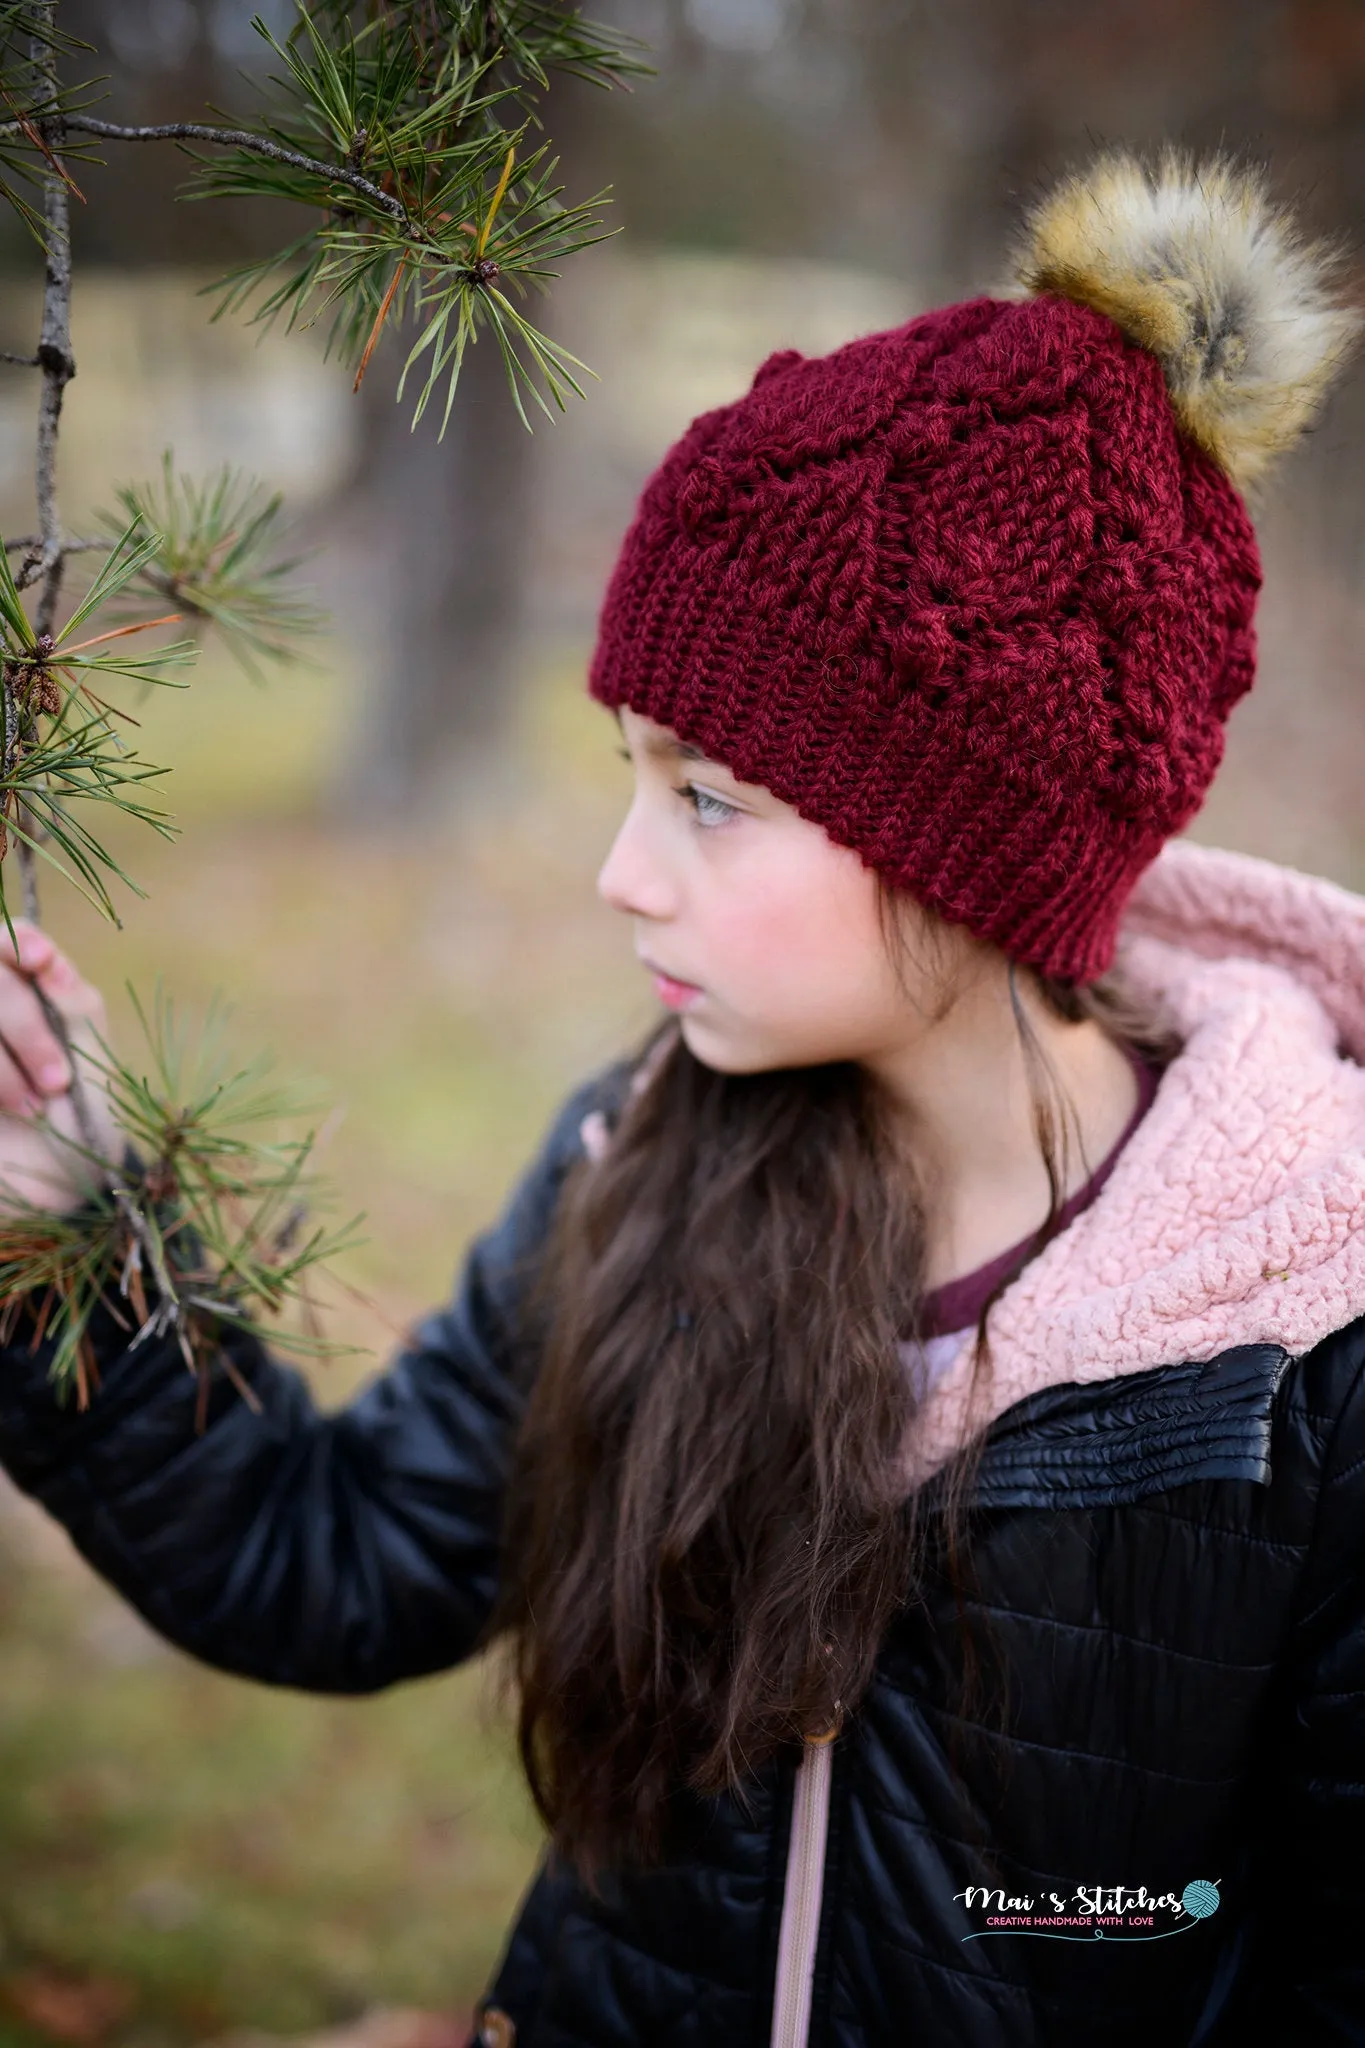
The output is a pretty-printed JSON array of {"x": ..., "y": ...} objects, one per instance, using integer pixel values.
[{"x": 975, "y": 594}]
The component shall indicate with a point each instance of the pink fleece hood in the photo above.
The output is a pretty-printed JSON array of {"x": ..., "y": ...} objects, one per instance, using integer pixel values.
[{"x": 1236, "y": 1212}]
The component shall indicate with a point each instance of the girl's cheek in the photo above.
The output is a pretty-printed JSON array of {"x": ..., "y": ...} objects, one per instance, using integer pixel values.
[
  {"x": 790, "y": 984},
  {"x": 763, "y": 956},
  {"x": 795, "y": 935}
]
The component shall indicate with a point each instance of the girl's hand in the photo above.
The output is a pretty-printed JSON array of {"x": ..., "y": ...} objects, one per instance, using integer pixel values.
[{"x": 35, "y": 1078}]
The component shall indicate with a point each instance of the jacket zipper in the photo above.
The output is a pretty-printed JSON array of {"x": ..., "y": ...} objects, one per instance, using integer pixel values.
[{"x": 803, "y": 1893}]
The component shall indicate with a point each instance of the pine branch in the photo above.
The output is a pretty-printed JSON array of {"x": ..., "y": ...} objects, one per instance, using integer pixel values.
[
  {"x": 391, "y": 132},
  {"x": 81, "y": 758},
  {"x": 210, "y": 1213},
  {"x": 29, "y": 46},
  {"x": 55, "y": 360},
  {"x": 61, "y": 746},
  {"x": 30, "y": 546},
  {"x": 215, "y": 559},
  {"x": 422, "y": 109},
  {"x": 425, "y": 206},
  {"x": 256, "y": 145},
  {"x": 537, "y": 36}
]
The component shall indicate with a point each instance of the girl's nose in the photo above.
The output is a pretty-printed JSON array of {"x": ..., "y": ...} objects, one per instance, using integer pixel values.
[{"x": 631, "y": 879}]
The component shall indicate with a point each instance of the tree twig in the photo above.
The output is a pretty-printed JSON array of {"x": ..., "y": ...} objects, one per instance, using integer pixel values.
[
  {"x": 68, "y": 547},
  {"x": 21, "y": 362},
  {"x": 259, "y": 145},
  {"x": 31, "y": 545},
  {"x": 54, "y": 342},
  {"x": 58, "y": 366}
]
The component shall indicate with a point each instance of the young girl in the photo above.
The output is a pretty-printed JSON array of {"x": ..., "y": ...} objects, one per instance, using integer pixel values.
[{"x": 906, "y": 1428}]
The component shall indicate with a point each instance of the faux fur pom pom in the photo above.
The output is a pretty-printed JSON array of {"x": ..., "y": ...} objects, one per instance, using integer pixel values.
[{"x": 1193, "y": 261}]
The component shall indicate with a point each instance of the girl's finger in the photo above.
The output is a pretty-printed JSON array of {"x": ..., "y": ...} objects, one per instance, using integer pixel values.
[
  {"x": 28, "y": 1039},
  {"x": 43, "y": 964},
  {"x": 18, "y": 1094},
  {"x": 77, "y": 1001},
  {"x": 35, "y": 949},
  {"x": 594, "y": 1134},
  {"x": 63, "y": 985}
]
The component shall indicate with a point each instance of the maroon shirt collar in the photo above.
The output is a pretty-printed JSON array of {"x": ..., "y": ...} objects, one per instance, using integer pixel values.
[{"x": 957, "y": 1305}]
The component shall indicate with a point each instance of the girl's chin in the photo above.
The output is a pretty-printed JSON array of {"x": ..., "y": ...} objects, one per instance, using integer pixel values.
[
  {"x": 729, "y": 1052},
  {"x": 730, "y": 1046},
  {"x": 708, "y": 1044}
]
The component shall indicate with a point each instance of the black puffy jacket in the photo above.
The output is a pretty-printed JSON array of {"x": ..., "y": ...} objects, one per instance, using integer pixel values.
[{"x": 1171, "y": 1568}]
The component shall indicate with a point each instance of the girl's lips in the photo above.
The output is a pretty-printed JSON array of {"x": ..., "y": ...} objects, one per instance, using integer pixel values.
[{"x": 679, "y": 995}]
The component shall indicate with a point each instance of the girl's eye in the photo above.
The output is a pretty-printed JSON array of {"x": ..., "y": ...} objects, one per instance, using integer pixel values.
[{"x": 710, "y": 810}]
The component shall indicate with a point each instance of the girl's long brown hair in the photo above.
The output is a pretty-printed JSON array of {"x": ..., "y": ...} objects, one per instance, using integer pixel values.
[{"x": 707, "y": 1526}]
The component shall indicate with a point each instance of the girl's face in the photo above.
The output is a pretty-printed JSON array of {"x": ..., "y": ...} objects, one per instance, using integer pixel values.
[{"x": 775, "y": 926}]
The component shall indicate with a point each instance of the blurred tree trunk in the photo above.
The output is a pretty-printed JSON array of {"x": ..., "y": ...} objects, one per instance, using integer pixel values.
[
  {"x": 442, "y": 529},
  {"x": 435, "y": 617}
]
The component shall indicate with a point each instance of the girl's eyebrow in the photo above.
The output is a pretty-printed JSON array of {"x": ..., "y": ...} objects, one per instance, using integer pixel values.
[{"x": 664, "y": 746}]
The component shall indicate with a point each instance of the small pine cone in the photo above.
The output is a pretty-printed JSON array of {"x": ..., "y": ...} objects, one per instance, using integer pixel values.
[{"x": 37, "y": 688}]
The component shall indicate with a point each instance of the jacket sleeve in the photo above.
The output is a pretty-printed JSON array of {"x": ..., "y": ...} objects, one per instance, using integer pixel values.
[
  {"x": 1310, "y": 1902},
  {"x": 336, "y": 1552}
]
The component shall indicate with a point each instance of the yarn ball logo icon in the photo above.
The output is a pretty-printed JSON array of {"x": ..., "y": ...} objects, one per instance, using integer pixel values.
[{"x": 1200, "y": 1898}]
